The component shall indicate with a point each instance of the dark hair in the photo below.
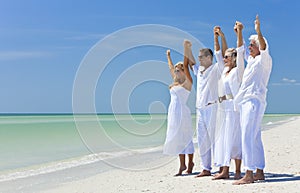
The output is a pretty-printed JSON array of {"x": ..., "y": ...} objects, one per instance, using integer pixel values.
[{"x": 207, "y": 52}]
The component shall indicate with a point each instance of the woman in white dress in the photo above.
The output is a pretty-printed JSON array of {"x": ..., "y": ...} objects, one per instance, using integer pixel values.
[
  {"x": 179, "y": 137},
  {"x": 228, "y": 143}
]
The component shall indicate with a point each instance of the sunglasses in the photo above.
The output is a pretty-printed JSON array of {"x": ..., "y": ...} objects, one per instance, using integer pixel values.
[
  {"x": 252, "y": 45},
  {"x": 226, "y": 57}
]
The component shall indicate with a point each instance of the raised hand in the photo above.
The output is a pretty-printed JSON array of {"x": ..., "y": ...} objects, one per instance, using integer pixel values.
[
  {"x": 187, "y": 44},
  {"x": 238, "y": 27},
  {"x": 168, "y": 52},
  {"x": 217, "y": 30},
  {"x": 257, "y": 25},
  {"x": 262, "y": 43}
]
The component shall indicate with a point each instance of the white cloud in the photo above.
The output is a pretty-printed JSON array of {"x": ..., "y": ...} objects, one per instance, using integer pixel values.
[{"x": 288, "y": 80}]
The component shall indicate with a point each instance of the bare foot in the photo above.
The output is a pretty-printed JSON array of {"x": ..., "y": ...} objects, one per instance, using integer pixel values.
[
  {"x": 220, "y": 169},
  {"x": 190, "y": 168},
  {"x": 258, "y": 177},
  {"x": 237, "y": 175},
  {"x": 221, "y": 176},
  {"x": 203, "y": 173},
  {"x": 244, "y": 180},
  {"x": 181, "y": 169},
  {"x": 219, "y": 172}
]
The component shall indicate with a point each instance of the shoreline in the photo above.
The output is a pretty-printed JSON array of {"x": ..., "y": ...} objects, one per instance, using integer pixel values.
[
  {"x": 154, "y": 173},
  {"x": 78, "y": 114},
  {"x": 282, "y": 172}
]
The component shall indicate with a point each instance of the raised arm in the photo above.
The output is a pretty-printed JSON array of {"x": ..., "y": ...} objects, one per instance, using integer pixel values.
[
  {"x": 189, "y": 54},
  {"x": 187, "y": 59},
  {"x": 238, "y": 28},
  {"x": 218, "y": 53},
  {"x": 170, "y": 63},
  {"x": 260, "y": 36},
  {"x": 216, "y": 38},
  {"x": 224, "y": 43},
  {"x": 218, "y": 32}
]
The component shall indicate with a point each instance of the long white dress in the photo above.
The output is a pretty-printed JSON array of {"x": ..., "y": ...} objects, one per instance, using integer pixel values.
[
  {"x": 179, "y": 137},
  {"x": 228, "y": 133}
]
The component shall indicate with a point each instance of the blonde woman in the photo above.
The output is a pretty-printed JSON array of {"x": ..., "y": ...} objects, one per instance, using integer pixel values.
[{"x": 179, "y": 138}]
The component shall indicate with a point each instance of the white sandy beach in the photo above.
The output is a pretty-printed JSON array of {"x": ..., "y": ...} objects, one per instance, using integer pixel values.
[{"x": 281, "y": 143}]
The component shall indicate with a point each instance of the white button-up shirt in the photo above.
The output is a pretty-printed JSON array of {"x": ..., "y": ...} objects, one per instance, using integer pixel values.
[
  {"x": 207, "y": 83},
  {"x": 256, "y": 77}
]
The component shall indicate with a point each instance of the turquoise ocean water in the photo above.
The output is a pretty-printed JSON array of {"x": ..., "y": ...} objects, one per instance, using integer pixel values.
[{"x": 39, "y": 144}]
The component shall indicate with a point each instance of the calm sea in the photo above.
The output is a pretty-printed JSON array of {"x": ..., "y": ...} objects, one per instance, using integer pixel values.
[{"x": 39, "y": 144}]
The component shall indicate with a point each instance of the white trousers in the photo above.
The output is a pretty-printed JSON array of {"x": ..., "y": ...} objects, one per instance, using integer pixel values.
[
  {"x": 252, "y": 112},
  {"x": 205, "y": 124}
]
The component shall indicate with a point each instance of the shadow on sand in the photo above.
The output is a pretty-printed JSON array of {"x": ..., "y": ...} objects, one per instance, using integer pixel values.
[
  {"x": 269, "y": 177},
  {"x": 272, "y": 177}
]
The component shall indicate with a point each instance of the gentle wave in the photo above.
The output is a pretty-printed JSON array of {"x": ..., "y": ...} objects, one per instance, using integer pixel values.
[
  {"x": 6, "y": 120},
  {"x": 271, "y": 124},
  {"x": 67, "y": 164}
]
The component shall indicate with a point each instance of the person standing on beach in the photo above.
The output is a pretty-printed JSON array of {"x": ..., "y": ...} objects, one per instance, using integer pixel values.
[
  {"x": 251, "y": 101},
  {"x": 228, "y": 131},
  {"x": 179, "y": 138},
  {"x": 207, "y": 75}
]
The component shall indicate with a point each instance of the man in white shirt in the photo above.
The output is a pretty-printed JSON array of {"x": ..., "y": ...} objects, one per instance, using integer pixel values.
[
  {"x": 207, "y": 75},
  {"x": 251, "y": 102}
]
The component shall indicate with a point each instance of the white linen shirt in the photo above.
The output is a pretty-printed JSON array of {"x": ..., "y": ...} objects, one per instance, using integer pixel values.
[
  {"x": 207, "y": 83},
  {"x": 256, "y": 77}
]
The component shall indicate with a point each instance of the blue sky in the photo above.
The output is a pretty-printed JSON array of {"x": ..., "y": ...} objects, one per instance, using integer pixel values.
[{"x": 42, "y": 44}]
